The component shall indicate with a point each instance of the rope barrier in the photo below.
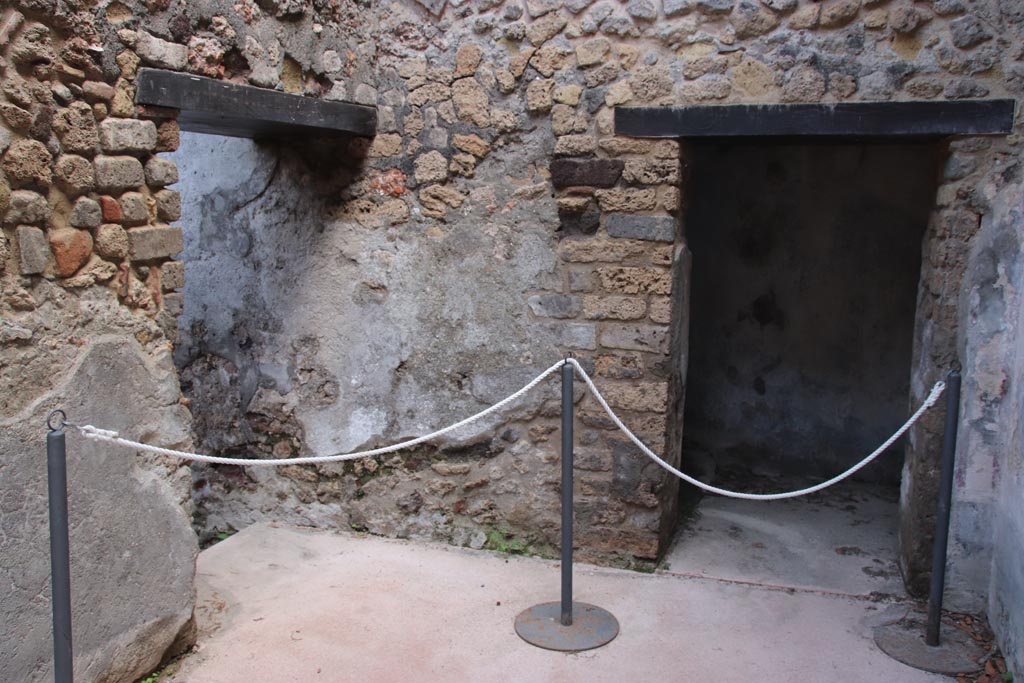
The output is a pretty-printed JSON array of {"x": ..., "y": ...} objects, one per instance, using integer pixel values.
[
  {"x": 109, "y": 436},
  {"x": 928, "y": 403}
]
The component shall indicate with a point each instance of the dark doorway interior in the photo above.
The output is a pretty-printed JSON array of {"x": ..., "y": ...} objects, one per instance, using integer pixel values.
[{"x": 806, "y": 258}]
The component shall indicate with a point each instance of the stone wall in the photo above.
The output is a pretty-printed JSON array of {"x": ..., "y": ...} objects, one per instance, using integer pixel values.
[
  {"x": 494, "y": 223},
  {"x": 89, "y": 297}
]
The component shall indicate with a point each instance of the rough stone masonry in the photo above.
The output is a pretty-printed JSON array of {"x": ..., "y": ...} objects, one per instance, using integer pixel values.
[{"x": 346, "y": 293}]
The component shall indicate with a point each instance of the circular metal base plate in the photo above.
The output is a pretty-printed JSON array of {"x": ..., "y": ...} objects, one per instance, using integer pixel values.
[
  {"x": 904, "y": 641},
  {"x": 591, "y": 627}
]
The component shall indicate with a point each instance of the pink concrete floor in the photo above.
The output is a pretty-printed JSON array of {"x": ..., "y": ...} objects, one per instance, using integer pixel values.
[{"x": 281, "y": 605}]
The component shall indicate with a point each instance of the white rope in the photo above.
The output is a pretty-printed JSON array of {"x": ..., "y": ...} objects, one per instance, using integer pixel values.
[
  {"x": 109, "y": 436},
  {"x": 928, "y": 403}
]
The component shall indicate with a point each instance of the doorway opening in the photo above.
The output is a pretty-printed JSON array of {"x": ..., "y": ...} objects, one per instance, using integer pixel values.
[{"x": 806, "y": 261}]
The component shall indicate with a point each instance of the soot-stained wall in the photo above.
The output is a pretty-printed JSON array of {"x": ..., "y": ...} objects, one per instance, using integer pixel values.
[{"x": 805, "y": 269}]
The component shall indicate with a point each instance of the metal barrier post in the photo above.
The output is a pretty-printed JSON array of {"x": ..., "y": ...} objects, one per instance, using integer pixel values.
[
  {"x": 567, "y": 626},
  {"x": 938, "y": 580},
  {"x": 60, "y": 554},
  {"x": 567, "y": 485}
]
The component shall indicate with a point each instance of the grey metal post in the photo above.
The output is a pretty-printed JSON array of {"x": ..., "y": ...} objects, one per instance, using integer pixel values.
[
  {"x": 567, "y": 460},
  {"x": 938, "y": 580},
  {"x": 60, "y": 554},
  {"x": 567, "y": 626}
]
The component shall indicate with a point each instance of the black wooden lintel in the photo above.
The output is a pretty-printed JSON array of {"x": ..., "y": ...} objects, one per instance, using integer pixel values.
[
  {"x": 207, "y": 105},
  {"x": 861, "y": 119}
]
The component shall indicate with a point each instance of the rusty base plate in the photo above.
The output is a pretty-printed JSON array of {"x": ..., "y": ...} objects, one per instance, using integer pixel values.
[
  {"x": 591, "y": 627},
  {"x": 956, "y": 652}
]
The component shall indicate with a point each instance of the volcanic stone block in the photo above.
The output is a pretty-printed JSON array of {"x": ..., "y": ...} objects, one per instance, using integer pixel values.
[
  {"x": 127, "y": 136},
  {"x": 653, "y": 338},
  {"x": 168, "y": 205},
  {"x": 74, "y": 174},
  {"x": 27, "y": 162},
  {"x": 172, "y": 276},
  {"x": 112, "y": 241},
  {"x": 133, "y": 208},
  {"x": 155, "y": 242},
  {"x": 115, "y": 174},
  {"x": 71, "y": 248},
  {"x": 161, "y": 172},
  {"x": 656, "y": 228},
  {"x": 76, "y": 128},
  {"x": 86, "y": 213},
  {"x": 588, "y": 172},
  {"x": 161, "y": 53},
  {"x": 33, "y": 251},
  {"x": 28, "y": 208}
]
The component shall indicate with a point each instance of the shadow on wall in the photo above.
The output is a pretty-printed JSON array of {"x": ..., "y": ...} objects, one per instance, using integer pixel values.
[
  {"x": 253, "y": 215},
  {"x": 806, "y": 261}
]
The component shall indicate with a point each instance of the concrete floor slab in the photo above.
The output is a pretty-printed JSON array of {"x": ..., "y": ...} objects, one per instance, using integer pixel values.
[
  {"x": 842, "y": 540},
  {"x": 281, "y": 605}
]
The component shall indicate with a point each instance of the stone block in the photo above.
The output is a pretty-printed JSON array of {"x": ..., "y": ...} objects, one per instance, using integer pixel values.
[
  {"x": 614, "y": 307},
  {"x": 168, "y": 136},
  {"x": 573, "y": 223},
  {"x": 600, "y": 250},
  {"x": 581, "y": 336},
  {"x": 652, "y": 172},
  {"x": 655, "y": 228},
  {"x": 86, "y": 213},
  {"x": 640, "y": 397},
  {"x": 619, "y": 365},
  {"x": 27, "y": 163},
  {"x": 161, "y": 172},
  {"x": 635, "y": 280},
  {"x": 575, "y": 145},
  {"x": 76, "y": 128},
  {"x": 632, "y": 474},
  {"x": 74, "y": 174},
  {"x": 71, "y": 249},
  {"x": 545, "y": 28},
  {"x": 97, "y": 91},
  {"x": 431, "y": 167},
  {"x": 968, "y": 32},
  {"x": 129, "y": 624},
  {"x": 590, "y": 172},
  {"x": 172, "y": 276},
  {"x": 134, "y": 209},
  {"x": 635, "y": 337},
  {"x": 674, "y": 8},
  {"x": 168, "y": 205},
  {"x": 567, "y": 94},
  {"x": 471, "y": 102},
  {"x": 27, "y": 208},
  {"x": 33, "y": 250},
  {"x": 111, "y": 241},
  {"x": 473, "y": 144},
  {"x": 555, "y": 305},
  {"x": 155, "y": 242},
  {"x": 660, "y": 309},
  {"x": 118, "y": 173},
  {"x": 627, "y": 200},
  {"x": 161, "y": 53},
  {"x": 540, "y": 95},
  {"x": 127, "y": 136}
]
